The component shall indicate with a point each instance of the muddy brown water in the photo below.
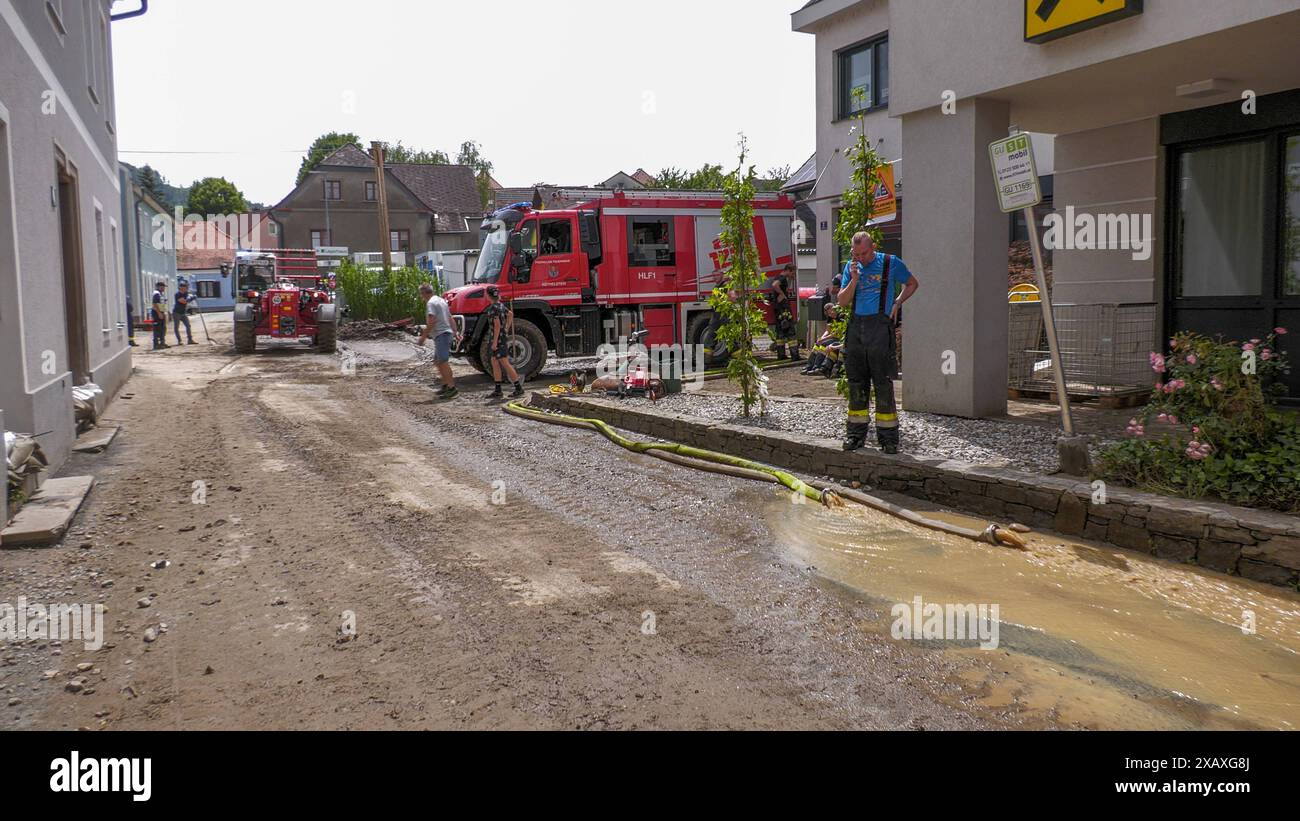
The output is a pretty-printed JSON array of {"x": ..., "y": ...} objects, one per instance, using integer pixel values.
[{"x": 1088, "y": 635}]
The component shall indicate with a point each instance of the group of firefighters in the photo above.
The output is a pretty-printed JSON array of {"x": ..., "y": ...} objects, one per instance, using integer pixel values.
[
  {"x": 182, "y": 304},
  {"x": 868, "y": 289}
]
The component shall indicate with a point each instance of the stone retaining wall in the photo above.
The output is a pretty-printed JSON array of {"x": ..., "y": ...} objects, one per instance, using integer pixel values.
[{"x": 1259, "y": 545}]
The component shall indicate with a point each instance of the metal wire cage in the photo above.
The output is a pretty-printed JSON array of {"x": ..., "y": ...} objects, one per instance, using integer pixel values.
[{"x": 1106, "y": 348}]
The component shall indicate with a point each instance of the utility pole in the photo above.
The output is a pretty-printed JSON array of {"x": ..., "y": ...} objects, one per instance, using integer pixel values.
[{"x": 385, "y": 237}]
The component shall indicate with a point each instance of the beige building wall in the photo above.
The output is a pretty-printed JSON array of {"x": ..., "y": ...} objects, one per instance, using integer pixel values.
[
  {"x": 978, "y": 48},
  {"x": 1113, "y": 170}
]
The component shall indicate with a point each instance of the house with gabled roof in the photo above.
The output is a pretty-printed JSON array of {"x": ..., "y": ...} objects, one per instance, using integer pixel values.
[
  {"x": 635, "y": 181},
  {"x": 430, "y": 207}
]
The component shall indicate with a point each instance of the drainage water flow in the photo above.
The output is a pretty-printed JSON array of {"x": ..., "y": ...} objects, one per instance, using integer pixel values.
[{"x": 1088, "y": 635}]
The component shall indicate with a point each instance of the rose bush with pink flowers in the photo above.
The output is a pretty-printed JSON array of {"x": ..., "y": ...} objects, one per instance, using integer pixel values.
[{"x": 1213, "y": 428}]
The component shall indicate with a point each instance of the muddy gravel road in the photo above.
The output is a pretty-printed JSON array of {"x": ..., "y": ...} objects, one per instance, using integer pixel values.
[
  {"x": 291, "y": 540},
  {"x": 499, "y": 574}
]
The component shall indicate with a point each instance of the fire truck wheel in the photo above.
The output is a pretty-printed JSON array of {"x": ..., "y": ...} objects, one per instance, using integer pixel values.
[
  {"x": 698, "y": 333},
  {"x": 527, "y": 350},
  {"x": 327, "y": 332},
  {"x": 245, "y": 337}
]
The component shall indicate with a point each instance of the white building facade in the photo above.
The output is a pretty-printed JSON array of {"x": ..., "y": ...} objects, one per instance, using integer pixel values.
[{"x": 62, "y": 294}]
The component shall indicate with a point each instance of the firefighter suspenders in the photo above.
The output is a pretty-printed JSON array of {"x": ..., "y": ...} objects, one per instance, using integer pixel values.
[
  {"x": 886, "y": 414},
  {"x": 884, "y": 285}
]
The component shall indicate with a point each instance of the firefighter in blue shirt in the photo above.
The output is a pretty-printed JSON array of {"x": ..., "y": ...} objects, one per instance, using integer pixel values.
[{"x": 870, "y": 357}]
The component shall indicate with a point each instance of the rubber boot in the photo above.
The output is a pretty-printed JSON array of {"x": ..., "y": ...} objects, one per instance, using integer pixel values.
[
  {"x": 888, "y": 439},
  {"x": 858, "y": 424},
  {"x": 856, "y": 437}
]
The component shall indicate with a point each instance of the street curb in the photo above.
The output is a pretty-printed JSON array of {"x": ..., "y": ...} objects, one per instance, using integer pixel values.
[{"x": 1260, "y": 545}]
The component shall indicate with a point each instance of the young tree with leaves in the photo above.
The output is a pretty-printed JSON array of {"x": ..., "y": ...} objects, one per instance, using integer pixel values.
[{"x": 738, "y": 298}]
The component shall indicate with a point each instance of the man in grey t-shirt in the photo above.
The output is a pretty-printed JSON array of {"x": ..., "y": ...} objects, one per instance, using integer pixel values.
[{"x": 437, "y": 324}]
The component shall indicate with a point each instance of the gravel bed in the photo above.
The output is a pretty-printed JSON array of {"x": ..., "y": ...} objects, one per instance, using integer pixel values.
[{"x": 979, "y": 441}]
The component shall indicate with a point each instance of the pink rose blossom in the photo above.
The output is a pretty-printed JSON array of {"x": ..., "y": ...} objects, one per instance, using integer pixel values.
[
  {"x": 1280, "y": 331},
  {"x": 1191, "y": 359},
  {"x": 1198, "y": 451}
]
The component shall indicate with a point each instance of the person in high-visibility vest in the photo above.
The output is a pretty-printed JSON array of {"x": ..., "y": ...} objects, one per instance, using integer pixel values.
[{"x": 870, "y": 353}]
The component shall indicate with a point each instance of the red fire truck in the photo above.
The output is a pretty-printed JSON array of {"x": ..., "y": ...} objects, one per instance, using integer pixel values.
[
  {"x": 596, "y": 273},
  {"x": 280, "y": 294}
]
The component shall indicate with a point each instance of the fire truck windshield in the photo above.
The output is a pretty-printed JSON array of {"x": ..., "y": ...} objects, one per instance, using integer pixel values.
[{"x": 495, "y": 247}]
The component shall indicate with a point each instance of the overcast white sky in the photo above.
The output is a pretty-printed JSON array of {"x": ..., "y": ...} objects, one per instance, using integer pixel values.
[{"x": 559, "y": 91}]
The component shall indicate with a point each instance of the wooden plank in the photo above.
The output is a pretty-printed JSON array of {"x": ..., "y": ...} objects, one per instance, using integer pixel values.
[
  {"x": 95, "y": 440},
  {"x": 45, "y": 518}
]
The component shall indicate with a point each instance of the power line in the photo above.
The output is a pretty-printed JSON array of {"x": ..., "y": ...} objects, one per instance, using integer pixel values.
[{"x": 227, "y": 153}]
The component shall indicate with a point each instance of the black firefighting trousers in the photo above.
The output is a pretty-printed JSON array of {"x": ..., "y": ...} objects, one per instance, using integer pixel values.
[
  {"x": 785, "y": 332},
  {"x": 871, "y": 362}
]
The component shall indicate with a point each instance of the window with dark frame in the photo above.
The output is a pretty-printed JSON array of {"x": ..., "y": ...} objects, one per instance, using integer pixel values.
[
  {"x": 1232, "y": 211},
  {"x": 1220, "y": 220},
  {"x": 650, "y": 243},
  {"x": 399, "y": 241},
  {"x": 864, "y": 67},
  {"x": 372, "y": 192},
  {"x": 556, "y": 237},
  {"x": 319, "y": 237},
  {"x": 208, "y": 289},
  {"x": 333, "y": 190}
]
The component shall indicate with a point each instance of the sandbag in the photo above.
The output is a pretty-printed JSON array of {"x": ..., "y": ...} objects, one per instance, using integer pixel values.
[{"x": 84, "y": 399}]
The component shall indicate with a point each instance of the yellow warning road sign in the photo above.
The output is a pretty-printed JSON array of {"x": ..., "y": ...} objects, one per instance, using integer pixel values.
[
  {"x": 1049, "y": 19},
  {"x": 885, "y": 208}
]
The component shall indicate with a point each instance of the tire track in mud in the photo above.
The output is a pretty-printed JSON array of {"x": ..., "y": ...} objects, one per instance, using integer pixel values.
[
  {"x": 687, "y": 526},
  {"x": 554, "y": 623}
]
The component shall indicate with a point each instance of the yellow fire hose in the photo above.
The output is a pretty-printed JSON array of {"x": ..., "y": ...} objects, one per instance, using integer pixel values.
[
  {"x": 704, "y": 459},
  {"x": 721, "y": 463}
]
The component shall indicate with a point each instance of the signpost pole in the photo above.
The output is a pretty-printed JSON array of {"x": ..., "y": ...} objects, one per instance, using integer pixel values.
[
  {"x": 1049, "y": 322},
  {"x": 1016, "y": 176}
]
